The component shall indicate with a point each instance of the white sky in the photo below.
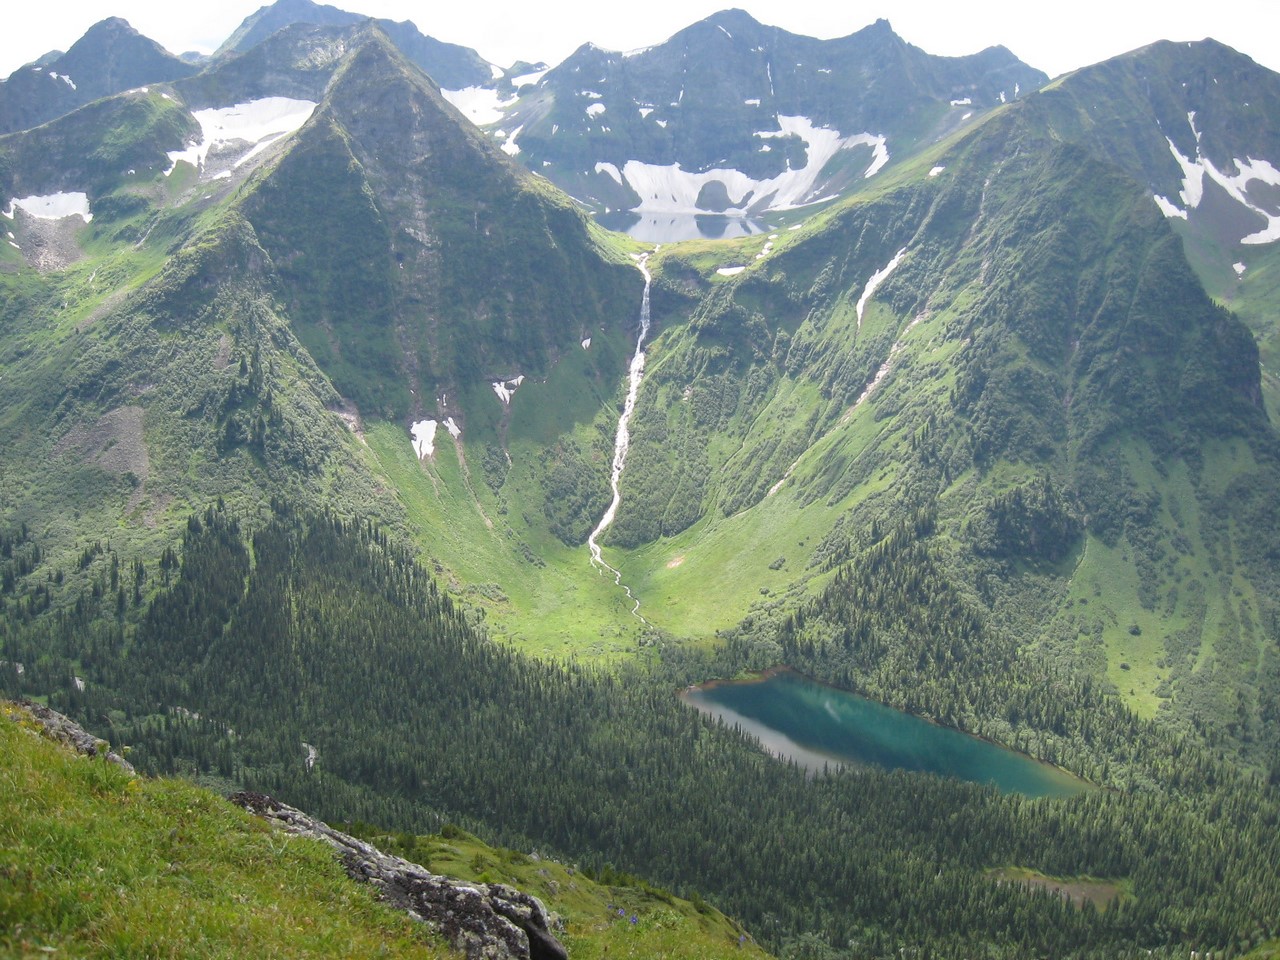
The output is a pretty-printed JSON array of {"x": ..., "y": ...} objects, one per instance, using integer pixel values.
[{"x": 1056, "y": 37}]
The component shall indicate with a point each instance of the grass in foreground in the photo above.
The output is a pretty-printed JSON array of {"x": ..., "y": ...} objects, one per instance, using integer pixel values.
[{"x": 95, "y": 862}]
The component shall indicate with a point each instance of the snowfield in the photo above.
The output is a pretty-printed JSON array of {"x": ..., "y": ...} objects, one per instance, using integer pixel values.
[
  {"x": 505, "y": 389},
  {"x": 52, "y": 206},
  {"x": 669, "y": 189},
  {"x": 258, "y": 123},
  {"x": 480, "y": 105},
  {"x": 877, "y": 278}
]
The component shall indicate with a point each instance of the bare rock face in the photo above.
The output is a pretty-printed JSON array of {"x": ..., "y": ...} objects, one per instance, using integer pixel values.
[{"x": 487, "y": 921}]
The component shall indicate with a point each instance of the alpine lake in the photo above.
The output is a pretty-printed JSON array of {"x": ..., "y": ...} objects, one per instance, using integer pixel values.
[{"x": 818, "y": 726}]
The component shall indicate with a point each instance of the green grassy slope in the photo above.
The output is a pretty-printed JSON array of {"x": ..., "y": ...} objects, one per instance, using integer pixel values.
[{"x": 96, "y": 862}]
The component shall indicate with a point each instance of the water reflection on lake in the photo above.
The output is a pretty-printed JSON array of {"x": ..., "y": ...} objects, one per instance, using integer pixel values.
[
  {"x": 673, "y": 227},
  {"x": 816, "y": 725}
]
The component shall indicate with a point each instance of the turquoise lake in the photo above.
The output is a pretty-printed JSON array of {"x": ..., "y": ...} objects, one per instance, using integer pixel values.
[{"x": 816, "y": 725}]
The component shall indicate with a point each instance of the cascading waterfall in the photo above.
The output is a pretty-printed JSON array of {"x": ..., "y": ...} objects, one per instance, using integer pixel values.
[{"x": 622, "y": 441}]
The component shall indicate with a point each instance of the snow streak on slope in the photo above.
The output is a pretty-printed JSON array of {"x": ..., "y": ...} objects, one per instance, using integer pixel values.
[
  {"x": 622, "y": 442},
  {"x": 877, "y": 278},
  {"x": 668, "y": 189},
  {"x": 886, "y": 368}
]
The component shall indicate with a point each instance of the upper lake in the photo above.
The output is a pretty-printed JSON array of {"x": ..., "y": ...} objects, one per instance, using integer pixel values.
[{"x": 816, "y": 725}]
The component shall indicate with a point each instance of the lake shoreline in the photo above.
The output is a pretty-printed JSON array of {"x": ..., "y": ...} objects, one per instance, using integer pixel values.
[{"x": 1063, "y": 778}]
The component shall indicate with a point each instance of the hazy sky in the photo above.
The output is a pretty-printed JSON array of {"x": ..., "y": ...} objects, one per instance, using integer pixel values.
[{"x": 1056, "y": 37}]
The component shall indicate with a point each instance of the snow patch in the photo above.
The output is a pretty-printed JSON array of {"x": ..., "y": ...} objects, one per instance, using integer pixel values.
[
  {"x": 724, "y": 31},
  {"x": 424, "y": 438},
  {"x": 661, "y": 123},
  {"x": 509, "y": 146},
  {"x": 645, "y": 111},
  {"x": 730, "y": 271},
  {"x": 586, "y": 343},
  {"x": 525, "y": 79},
  {"x": 480, "y": 105},
  {"x": 1239, "y": 268},
  {"x": 873, "y": 284},
  {"x": 753, "y": 102},
  {"x": 505, "y": 389},
  {"x": 496, "y": 71},
  {"x": 64, "y": 78},
  {"x": 595, "y": 109},
  {"x": 963, "y": 102},
  {"x": 259, "y": 123},
  {"x": 1169, "y": 208},
  {"x": 455, "y": 431},
  {"x": 611, "y": 170},
  {"x": 52, "y": 206},
  {"x": 590, "y": 94},
  {"x": 936, "y": 170}
]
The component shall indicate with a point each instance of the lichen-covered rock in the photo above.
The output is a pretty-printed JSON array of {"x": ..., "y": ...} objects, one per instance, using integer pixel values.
[{"x": 487, "y": 921}]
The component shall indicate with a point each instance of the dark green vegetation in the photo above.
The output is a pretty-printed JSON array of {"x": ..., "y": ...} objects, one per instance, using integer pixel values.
[
  {"x": 829, "y": 725},
  {"x": 313, "y": 631}
]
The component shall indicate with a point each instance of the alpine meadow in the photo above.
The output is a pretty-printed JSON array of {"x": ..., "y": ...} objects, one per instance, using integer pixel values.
[{"x": 521, "y": 468}]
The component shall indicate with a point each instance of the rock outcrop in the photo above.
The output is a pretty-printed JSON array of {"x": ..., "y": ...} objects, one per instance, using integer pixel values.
[
  {"x": 64, "y": 731},
  {"x": 487, "y": 921}
]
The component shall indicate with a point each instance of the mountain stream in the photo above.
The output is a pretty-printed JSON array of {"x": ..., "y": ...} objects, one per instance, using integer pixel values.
[{"x": 622, "y": 442}]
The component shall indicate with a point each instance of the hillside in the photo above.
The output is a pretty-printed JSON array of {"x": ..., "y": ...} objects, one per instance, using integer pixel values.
[
  {"x": 314, "y": 660},
  {"x": 169, "y": 867}
]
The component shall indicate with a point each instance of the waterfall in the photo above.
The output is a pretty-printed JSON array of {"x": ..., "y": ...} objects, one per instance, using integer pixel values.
[{"x": 622, "y": 441}]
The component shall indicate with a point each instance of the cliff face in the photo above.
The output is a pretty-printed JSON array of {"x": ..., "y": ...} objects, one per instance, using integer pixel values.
[{"x": 485, "y": 920}]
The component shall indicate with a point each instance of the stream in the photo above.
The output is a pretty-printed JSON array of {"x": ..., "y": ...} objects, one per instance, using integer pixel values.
[{"x": 622, "y": 442}]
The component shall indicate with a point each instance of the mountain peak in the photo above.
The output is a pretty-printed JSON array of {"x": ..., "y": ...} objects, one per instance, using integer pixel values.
[{"x": 111, "y": 57}]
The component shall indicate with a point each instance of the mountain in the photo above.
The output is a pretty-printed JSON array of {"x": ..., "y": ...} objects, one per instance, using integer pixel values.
[
  {"x": 731, "y": 116},
  {"x": 327, "y": 422},
  {"x": 1014, "y": 341},
  {"x": 109, "y": 58},
  {"x": 283, "y": 268},
  {"x": 447, "y": 63},
  {"x": 1197, "y": 125}
]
